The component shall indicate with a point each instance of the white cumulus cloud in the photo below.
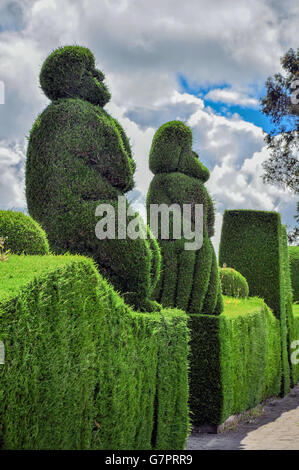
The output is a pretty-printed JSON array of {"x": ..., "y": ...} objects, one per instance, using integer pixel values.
[{"x": 143, "y": 47}]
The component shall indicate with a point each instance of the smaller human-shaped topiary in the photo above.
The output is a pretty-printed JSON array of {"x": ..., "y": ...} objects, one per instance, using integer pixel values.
[
  {"x": 78, "y": 158},
  {"x": 189, "y": 278},
  {"x": 233, "y": 283},
  {"x": 22, "y": 234}
]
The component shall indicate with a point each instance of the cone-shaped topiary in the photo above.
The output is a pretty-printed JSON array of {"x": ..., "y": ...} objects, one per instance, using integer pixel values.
[
  {"x": 79, "y": 157},
  {"x": 189, "y": 278},
  {"x": 233, "y": 283},
  {"x": 22, "y": 234}
]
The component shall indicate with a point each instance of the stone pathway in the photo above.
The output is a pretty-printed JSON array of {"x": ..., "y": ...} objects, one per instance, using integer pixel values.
[{"x": 276, "y": 428}]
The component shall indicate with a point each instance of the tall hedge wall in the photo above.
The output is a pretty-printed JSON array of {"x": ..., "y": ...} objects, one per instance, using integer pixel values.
[
  {"x": 294, "y": 264},
  {"x": 254, "y": 243},
  {"x": 82, "y": 370},
  {"x": 236, "y": 360},
  {"x": 295, "y": 348},
  {"x": 288, "y": 296}
]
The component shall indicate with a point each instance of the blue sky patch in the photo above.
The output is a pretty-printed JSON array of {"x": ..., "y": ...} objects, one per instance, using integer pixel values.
[
  {"x": 11, "y": 17},
  {"x": 248, "y": 114}
]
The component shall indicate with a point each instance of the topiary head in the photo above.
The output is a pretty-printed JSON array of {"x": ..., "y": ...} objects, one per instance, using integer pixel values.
[
  {"x": 171, "y": 151},
  {"x": 70, "y": 72}
]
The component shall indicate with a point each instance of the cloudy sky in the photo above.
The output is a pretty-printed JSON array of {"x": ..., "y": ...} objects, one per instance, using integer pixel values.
[{"x": 201, "y": 61}]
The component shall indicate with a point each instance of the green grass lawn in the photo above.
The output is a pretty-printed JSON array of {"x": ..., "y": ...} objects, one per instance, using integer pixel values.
[
  {"x": 19, "y": 271},
  {"x": 234, "y": 307},
  {"x": 296, "y": 309}
]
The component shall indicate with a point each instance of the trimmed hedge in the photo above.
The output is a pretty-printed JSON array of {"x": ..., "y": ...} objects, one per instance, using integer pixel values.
[
  {"x": 294, "y": 264},
  {"x": 288, "y": 296},
  {"x": 189, "y": 278},
  {"x": 22, "y": 234},
  {"x": 78, "y": 158},
  {"x": 236, "y": 360},
  {"x": 82, "y": 370},
  {"x": 295, "y": 348},
  {"x": 254, "y": 243},
  {"x": 233, "y": 283}
]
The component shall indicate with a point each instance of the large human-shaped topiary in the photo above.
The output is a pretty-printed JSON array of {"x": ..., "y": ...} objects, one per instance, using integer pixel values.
[
  {"x": 189, "y": 278},
  {"x": 79, "y": 157}
]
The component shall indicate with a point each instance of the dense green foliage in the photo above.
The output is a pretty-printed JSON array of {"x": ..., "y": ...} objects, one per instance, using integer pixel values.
[
  {"x": 296, "y": 311},
  {"x": 250, "y": 244},
  {"x": 233, "y": 283},
  {"x": 189, "y": 278},
  {"x": 236, "y": 360},
  {"x": 295, "y": 345},
  {"x": 79, "y": 157},
  {"x": 255, "y": 244},
  {"x": 82, "y": 370},
  {"x": 22, "y": 234},
  {"x": 294, "y": 265},
  {"x": 70, "y": 72},
  {"x": 288, "y": 300}
]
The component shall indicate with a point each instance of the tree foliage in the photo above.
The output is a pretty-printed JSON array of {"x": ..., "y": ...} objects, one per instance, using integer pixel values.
[
  {"x": 279, "y": 103},
  {"x": 293, "y": 235}
]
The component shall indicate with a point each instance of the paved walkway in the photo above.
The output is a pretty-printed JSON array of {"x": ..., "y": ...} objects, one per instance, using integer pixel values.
[{"x": 276, "y": 428}]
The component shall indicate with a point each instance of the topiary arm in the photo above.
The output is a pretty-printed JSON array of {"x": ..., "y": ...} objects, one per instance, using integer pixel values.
[
  {"x": 80, "y": 131},
  {"x": 127, "y": 146},
  {"x": 156, "y": 259}
]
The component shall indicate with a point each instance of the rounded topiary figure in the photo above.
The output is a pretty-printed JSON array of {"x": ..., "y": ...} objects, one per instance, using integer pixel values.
[
  {"x": 189, "y": 278},
  {"x": 79, "y": 157},
  {"x": 22, "y": 234},
  {"x": 233, "y": 283}
]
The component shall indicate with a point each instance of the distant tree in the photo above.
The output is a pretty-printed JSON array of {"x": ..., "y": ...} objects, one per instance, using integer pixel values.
[
  {"x": 293, "y": 234},
  {"x": 281, "y": 103}
]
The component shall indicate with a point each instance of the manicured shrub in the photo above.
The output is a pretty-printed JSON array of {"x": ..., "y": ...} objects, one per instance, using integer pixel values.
[
  {"x": 294, "y": 264},
  {"x": 235, "y": 361},
  {"x": 189, "y": 278},
  {"x": 233, "y": 283},
  {"x": 295, "y": 344},
  {"x": 82, "y": 370},
  {"x": 22, "y": 234},
  {"x": 47, "y": 381},
  {"x": 288, "y": 296},
  {"x": 254, "y": 243},
  {"x": 79, "y": 157}
]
